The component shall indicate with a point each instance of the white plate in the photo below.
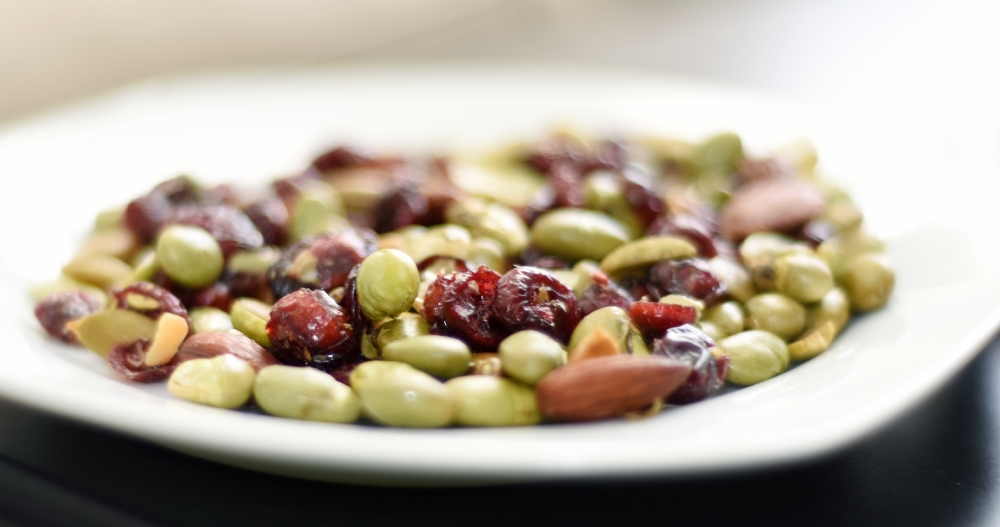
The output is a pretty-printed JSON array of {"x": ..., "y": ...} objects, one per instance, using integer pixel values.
[{"x": 58, "y": 170}]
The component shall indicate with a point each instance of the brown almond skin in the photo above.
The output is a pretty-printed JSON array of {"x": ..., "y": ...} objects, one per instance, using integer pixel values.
[
  {"x": 604, "y": 387},
  {"x": 215, "y": 343},
  {"x": 779, "y": 205}
]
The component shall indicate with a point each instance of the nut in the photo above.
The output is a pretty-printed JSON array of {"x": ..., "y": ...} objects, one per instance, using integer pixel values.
[
  {"x": 213, "y": 344},
  {"x": 171, "y": 330},
  {"x": 781, "y": 204},
  {"x": 597, "y": 344},
  {"x": 485, "y": 363},
  {"x": 607, "y": 387}
]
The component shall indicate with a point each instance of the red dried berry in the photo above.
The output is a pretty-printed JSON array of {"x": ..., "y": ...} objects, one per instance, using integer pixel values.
[
  {"x": 216, "y": 295},
  {"x": 352, "y": 306},
  {"x": 60, "y": 308},
  {"x": 690, "y": 277},
  {"x": 530, "y": 298},
  {"x": 343, "y": 372},
  {"x": 337, "y": 254},
  {"x": 308, "y": 328},
  {"x": 149, "y": 299},
  {"x": 180, "y": 190},
  {"x": 467, "y": 307},
  {"x": 433, "y": 310},
  {"x": 606, "y": 294},
  {"x": 145, "y": 215},
  {"x": 640, "y": 193},
  {"x": 340, "y": 157},
  {"x": 695, "y": 229},
  {"x": 400, "y": 206},
  {"x": 566, "y": 181},
  {"x": 250, "y": 285},
  {"x": 270, "y": 217},
  {"x": 229, "y": 226},
  {"x": 654, "y": 319},
  {"x": 130, "y": 361},
  {"x": 691, "y": 346}
]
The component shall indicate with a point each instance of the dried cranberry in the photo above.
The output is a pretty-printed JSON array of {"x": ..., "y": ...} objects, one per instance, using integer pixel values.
[
  {"x": 249, "y": 284},
  {"x": 637, "y": 288},
  {"x": 270, "y": 217},
  {"x": 216, "y": 295},
  {"x": 340, "y": 157},
  {"x": 448, "y": 263},
  {"x": 307, "y": 327},
  {"x": 349, "y": 302},
  {"x": 179, "y": 190},
  {"x": 400, "y": 206},
  {"x": 150, "y": 300},
  {"x": 343, "y": 372},
  {"x": 280, "y": 276},
  {"x": 691, "y": 277},
  {"x": 433, "y": 310},
  {"x": 130, "y": 361},
  {"x": 145, "y": 215},
  {"x": 230, "y": 227},
  {"x": 566, "y": 181},
  {"x": 337, "y": 254},
  {"x": 467, "y": 306},
  {"x": 62, "y": 307},
  {"x": 600, "y": 295},
  {"x": 816, "y": 232},
  {"x": 654, "y": 319},
  {"x": 639, "y": 192},
  {"x": 691, "y": 346},
  {"x": 530, "y": 298},
  {"x": 693, "y": 228},
  {"x": 533, "y": 257}
]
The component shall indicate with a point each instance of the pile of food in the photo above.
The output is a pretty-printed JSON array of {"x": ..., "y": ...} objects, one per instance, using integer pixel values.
[{"x": 562, "y": 280}]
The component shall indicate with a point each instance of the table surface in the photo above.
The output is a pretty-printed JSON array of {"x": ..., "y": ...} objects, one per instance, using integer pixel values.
[{"x": 935, "y": 465}]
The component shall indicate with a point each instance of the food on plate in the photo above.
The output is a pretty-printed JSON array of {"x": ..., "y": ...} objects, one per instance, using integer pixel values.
[{"x": 561, "y": 280}]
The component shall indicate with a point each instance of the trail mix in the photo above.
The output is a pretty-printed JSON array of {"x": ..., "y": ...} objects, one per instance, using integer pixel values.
[{"x": 563, "y": 280}]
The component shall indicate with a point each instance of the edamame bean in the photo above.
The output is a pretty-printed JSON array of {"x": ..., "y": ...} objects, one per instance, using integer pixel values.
[
  {"x": 754, "y": 356},
  {"x": 305, "y": 393},
  {"x": 440, "y": 356},
  {"x": 224, "y": 381},
  {"x": 577, "y": 234},
  {"x": 250, "y": 317},
  {"x": 868, "y": 280},
  {"x": 189, "y": 255},
  {"x": 397, "y": 394},
  {"x": 483, "y": 400},
  {"x": 388, "y": 282},
  {"x": 777, "y": 314},
  {"x": 529, "y": 355}
]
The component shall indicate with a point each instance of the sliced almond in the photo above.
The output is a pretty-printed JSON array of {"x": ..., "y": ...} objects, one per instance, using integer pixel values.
[
  {"x": 171, "y": 330},
  {"x": 597, "y": 344}
]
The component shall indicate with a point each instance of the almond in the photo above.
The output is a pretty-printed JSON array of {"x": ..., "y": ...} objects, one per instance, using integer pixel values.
[
  {"x": 597, "y": 344},
  {"x": 778, "y": 205},
  {"x": 605, "y": 387},
  {"x": 215, "y": 343}
]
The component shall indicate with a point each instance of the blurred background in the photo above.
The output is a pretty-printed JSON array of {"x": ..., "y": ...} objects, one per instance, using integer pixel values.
[{"x": 907, "y": 58}]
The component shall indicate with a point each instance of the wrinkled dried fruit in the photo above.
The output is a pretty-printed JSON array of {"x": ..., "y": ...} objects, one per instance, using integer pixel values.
[
  {"x": 654, "y": 319},
  {"x": 130, "y": 361},
  {"x": 692, "y": 278},
  {"x": 63, "y": 307},
  {"x": 467, "y": 306},
  {"x": 529, "y": 298},
  {"x": 150, "y": 300},
  {"x": 308, "y": 328},
  {"x": 691, "y": 346}
]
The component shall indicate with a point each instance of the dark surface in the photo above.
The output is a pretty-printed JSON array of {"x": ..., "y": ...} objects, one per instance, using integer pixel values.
[{"x": 935, "y": 465}]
